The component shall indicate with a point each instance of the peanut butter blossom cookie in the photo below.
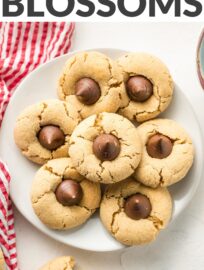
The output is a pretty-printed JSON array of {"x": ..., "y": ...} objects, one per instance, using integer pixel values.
[
  {"x": 61, "y": 263},
  {"x": 61, "y": 198},
  {"x": 135, "y": 214},
  {"x": 105, "y": 148},
  {"x": 92, "y": 82},
  {"x": 149, "y": 86},
  {"x": 42, "y": 130},
  {"x": 167, "y": 155}
]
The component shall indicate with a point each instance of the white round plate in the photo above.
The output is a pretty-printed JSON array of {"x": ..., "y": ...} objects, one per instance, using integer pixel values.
[{"x": 40, "y": 85}]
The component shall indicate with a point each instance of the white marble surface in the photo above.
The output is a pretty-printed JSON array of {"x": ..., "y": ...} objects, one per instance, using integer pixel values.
[{"x": 181, "y": 246}]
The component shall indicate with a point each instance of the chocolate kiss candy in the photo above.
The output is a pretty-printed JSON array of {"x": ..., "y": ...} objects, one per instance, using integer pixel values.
[
  {"x": 51, "y": 137},
  {"x": 69, "y": 193},
  {"x": 87, "y": 91},
  {"x": 137, "y": 207},
  {"x": 139, "y": 88},
  {"x": 106, "y": 147},
  {"x": 159, "y": 146}
]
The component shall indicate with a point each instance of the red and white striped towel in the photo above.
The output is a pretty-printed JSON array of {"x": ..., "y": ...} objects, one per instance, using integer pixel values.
[{"x": 23, "y": 46}]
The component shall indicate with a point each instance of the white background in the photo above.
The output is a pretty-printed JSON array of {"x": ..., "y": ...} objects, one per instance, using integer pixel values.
[{"x": 181, "y": 246}]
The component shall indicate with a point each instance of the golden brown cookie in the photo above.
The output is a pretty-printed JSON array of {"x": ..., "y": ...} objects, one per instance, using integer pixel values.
[
  {"x": 105, "y": 148},
  {"x": 149, "y": 86},
  {"x": 42, "y": 130},
  {"x": 92, "y": 82},
  {"x": 2, "y": 262},
  {"x": 59, "y": 204},
  {"x": 61, "y": 263},
  {"x": 135, "y": 214},
  {"x": 168, "y": 153}
]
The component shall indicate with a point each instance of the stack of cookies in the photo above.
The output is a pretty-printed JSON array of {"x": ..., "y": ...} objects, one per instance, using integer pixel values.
[
  {"x": 101, "y": 133},
  {"x": 60, "y": 263}
]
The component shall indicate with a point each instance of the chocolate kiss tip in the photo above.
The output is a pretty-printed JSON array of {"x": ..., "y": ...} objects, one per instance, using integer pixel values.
[
  {"x": 160, "y": 142},
  {"x": 81, "y": 93},
  {"x": 161, "y": 145},
  {"x": 106, "y": 148}
]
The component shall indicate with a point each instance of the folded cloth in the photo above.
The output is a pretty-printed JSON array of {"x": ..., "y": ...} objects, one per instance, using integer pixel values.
[
  {"x": 7, "y": 233},
  {"x": 23, "y": 47}
]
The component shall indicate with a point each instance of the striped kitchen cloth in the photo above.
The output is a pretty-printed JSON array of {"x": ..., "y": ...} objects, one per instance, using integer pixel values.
[{"x": 23, "y": 46}]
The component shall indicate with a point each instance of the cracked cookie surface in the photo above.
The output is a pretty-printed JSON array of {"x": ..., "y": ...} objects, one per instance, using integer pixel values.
[
  {"x": 126, "y": 230},
  {"x": 81, "y": 148},
  {"x": 33, "y": 118},
  {"x": 102, "y": 70},
  {"x": 142, "y": 64},
  {"x": 155, "y": 172},
  {"x": 44, "y": 202},
  {"x": 61, "y": 263}
]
